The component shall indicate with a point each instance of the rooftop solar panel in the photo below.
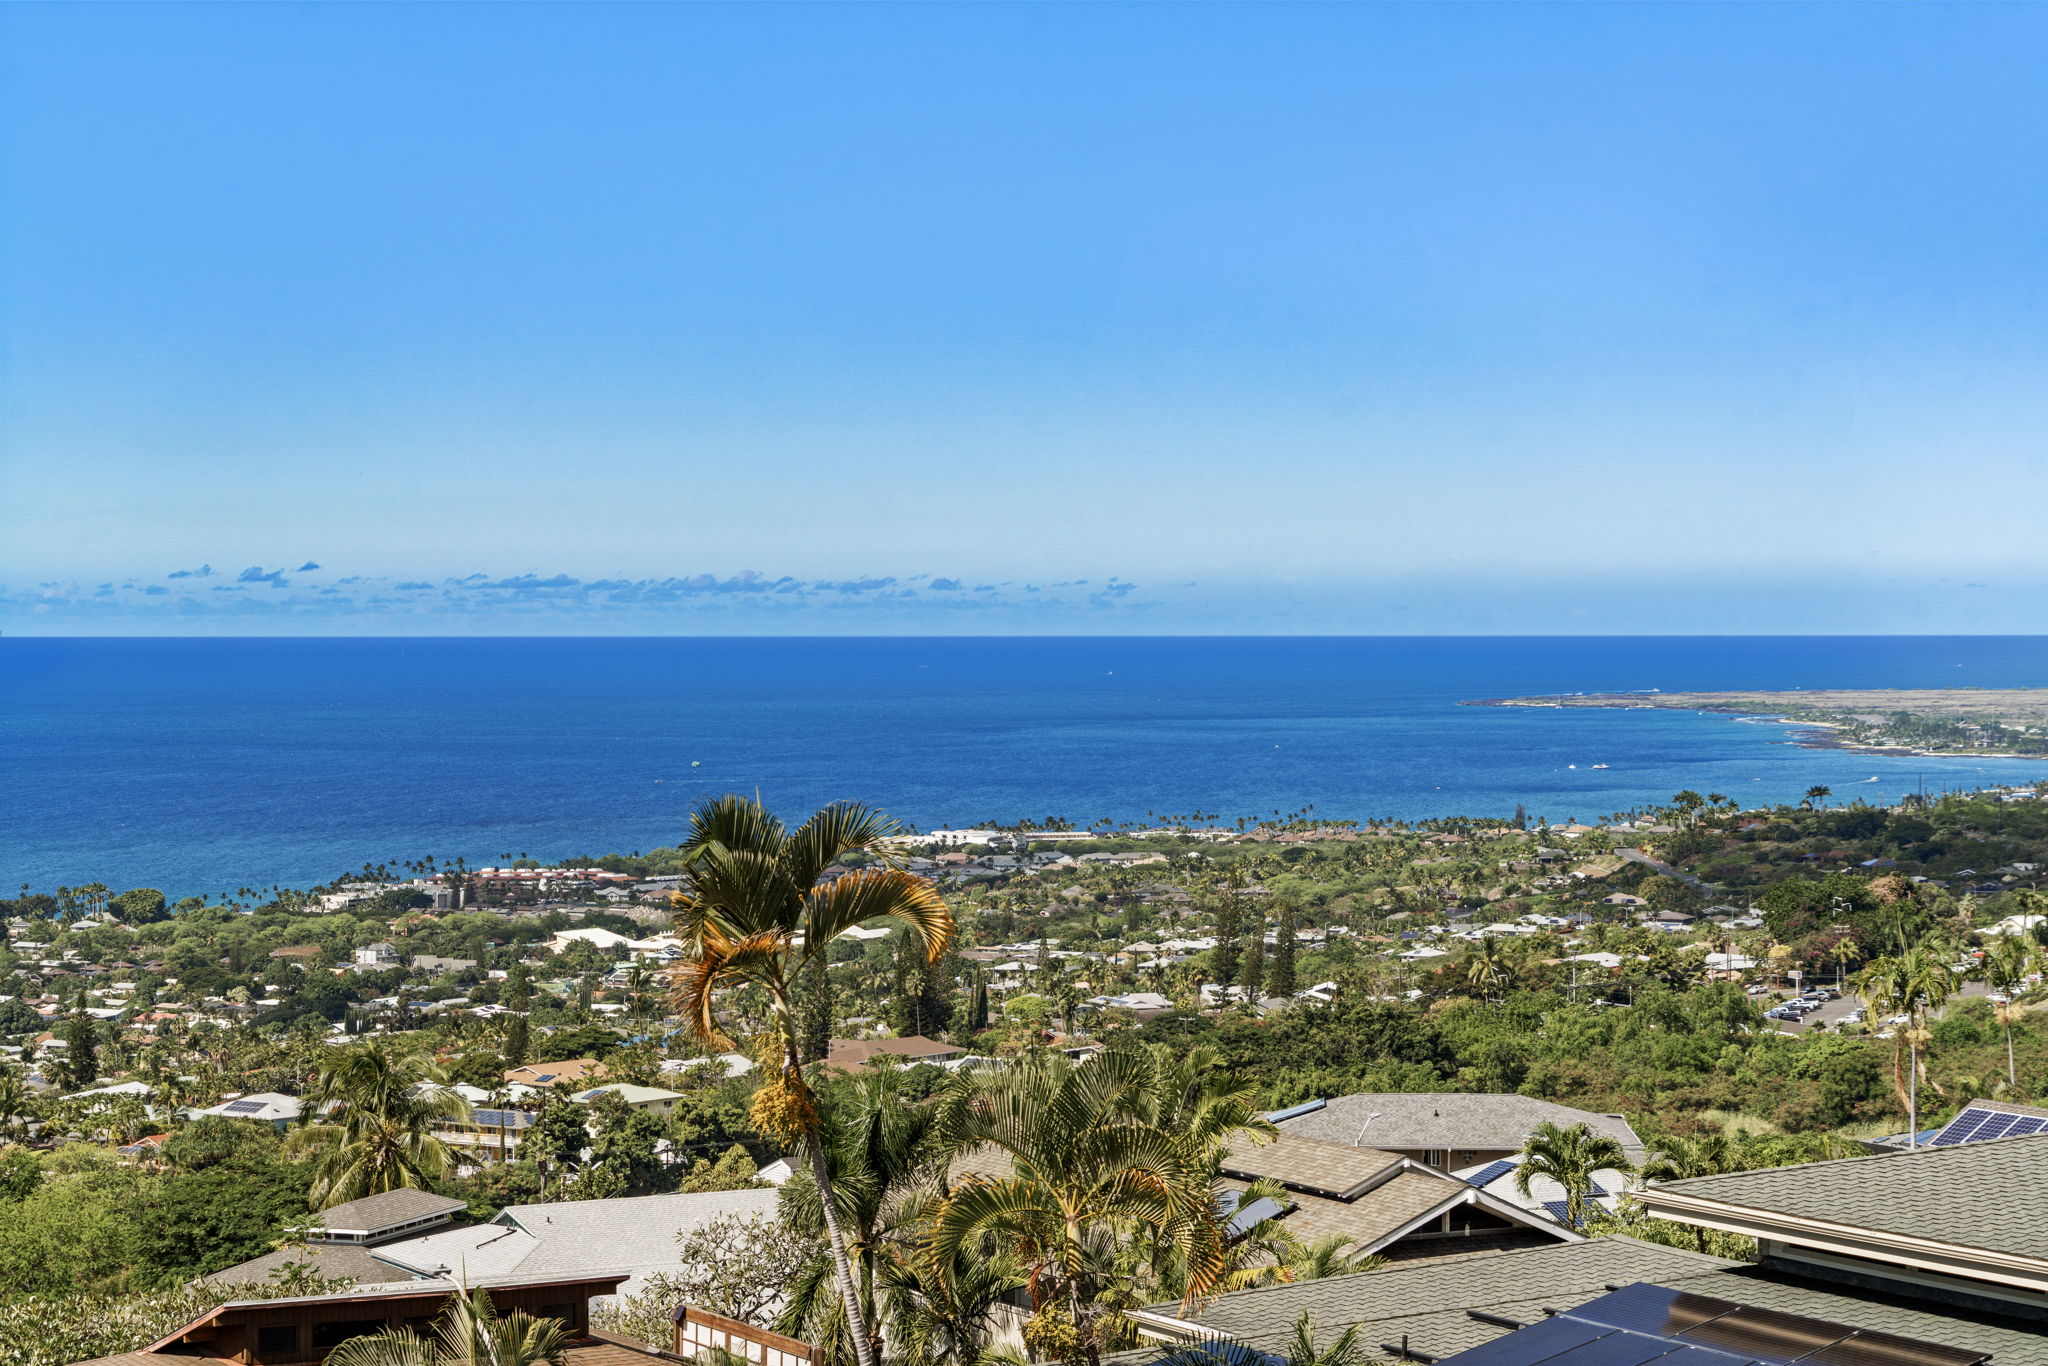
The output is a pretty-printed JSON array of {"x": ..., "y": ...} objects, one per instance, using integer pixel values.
[
  {"x": 1217, "y": 1354},
  {"x": 1490, "y": 1173},
  {"x": 1540, "y": 1341},
  {"x": 2026, "y": 1124},
  {"x": 1994, "y": 1126},
  {"x": 1644, "y": 1308},
  {"x": 1765, "y": 1334},
  {"x": 1958, "y": 1130},
  {"x": 1762, "y": 1335},
  {"x": 1250, "y": 1215},
  {"x": 1558, "y": 1211},
  {"x": 243, "y": 1107}
]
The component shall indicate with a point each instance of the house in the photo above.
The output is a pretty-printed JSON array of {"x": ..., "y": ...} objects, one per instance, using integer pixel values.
[
  {"x": 428, "y": 962},
  {"x": 1965, "y": 1223},
  {"x": 1450, "y": 1131},
  {"x": 381, "y": 954},
  {"x": 633, "y": 1236},
  {"x": 652, "y": 1099},
  {"x": 1978, "y": 1122},
  {"x": 664, "y": 946},
  {"x": 102, "y": 1095},
  {"x": 1977, "y": 1209},
  {"x": 543, "y": 1074},
  {"x": 490, "y": 1129},
  {"x": 302, "y": 1330},
  {"x": 1383, "y": 1202},
  {"x": 1144, "y": 1004},
  {"x": 847, "y": 1054},
  {"x": 1498, "y": 1178},
  {"x": 339, "y": 1243},
  {"x": 265, "y": 1107}
]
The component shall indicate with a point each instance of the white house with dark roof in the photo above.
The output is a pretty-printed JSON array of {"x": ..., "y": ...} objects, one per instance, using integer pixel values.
[{"x": 265, "y": 1107}]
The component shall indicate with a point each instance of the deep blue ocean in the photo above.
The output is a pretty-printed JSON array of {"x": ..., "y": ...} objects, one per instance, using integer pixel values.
[{"x": 199, "y": 766}]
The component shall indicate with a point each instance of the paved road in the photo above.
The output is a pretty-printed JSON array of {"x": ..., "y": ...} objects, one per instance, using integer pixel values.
[{"x": 1638, "y": 856}]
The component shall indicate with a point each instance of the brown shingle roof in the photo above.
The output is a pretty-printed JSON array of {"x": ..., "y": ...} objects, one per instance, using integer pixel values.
[
  {"x": 1311, "y": 1164},
  {"x": 854, "y": 1052}
]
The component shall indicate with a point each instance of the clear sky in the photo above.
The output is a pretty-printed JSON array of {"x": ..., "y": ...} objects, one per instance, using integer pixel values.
[{"x": 773, "y": 317}]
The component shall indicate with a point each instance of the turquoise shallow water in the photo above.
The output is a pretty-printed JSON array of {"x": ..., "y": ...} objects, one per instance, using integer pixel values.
[{"x": 202, "y": 765}]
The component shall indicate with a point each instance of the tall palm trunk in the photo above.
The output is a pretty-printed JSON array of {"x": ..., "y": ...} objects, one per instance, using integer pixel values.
[
  {"x": 814, "y": 1149},
  {"x": 842, "y": 1262}
]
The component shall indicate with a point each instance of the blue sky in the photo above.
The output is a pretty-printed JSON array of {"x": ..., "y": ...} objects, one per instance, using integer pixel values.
[{"x": 782, "y": 318}]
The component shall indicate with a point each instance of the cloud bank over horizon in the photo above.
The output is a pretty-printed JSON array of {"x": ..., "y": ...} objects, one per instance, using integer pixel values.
[{"x": 264, "y": 599}]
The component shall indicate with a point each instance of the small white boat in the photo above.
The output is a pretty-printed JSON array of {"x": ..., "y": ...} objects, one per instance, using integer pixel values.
[{"x": 1601, "y": 765}]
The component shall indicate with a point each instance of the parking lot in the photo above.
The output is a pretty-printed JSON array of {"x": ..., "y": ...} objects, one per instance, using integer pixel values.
[{"x": 1834, "y": 1011}]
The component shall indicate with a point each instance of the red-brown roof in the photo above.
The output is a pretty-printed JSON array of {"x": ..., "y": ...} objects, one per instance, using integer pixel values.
[{"x": 856, "y": 1052}]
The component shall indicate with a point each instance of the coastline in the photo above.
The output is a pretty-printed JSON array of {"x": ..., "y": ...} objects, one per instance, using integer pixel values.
[{"x": 1825, "y": 728}]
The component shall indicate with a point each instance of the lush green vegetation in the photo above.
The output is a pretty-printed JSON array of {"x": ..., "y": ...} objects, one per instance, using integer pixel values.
[{"x": 1017, "y": 952}]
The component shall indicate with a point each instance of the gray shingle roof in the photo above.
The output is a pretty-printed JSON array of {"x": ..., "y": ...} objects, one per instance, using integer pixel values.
[
  {"x": 1429, "y": 1300},
  {"x": 1446, "y": 1119},
  {"x": 1981, "y": 1195},
  {"x": 1427, "y": 1303},
  {"x": 350, "y": 1263},
  {"x": 634, "y": 1235},
  {"x": 374, "y": 1212}
]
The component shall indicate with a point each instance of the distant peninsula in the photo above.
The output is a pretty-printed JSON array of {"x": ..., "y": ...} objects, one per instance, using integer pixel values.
[{"x": 1985, "y": 722}]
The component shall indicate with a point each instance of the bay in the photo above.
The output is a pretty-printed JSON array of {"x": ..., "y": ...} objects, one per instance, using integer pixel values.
[{"x": 201, "y": 765}]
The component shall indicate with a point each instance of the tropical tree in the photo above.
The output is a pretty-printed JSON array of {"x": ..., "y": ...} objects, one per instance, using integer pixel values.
[
  {"x": 758, "y": 911},
  {"x": 1817, "y": 795},
  {"x": 14, "y": 1102},
  {"x": 1333, "y": 1254},
  {"x": 383, "y": 1104},
  {"x": 1673, "y": 1158},
  {"x": 2006, "y": 967},
  {"x": 1571, "y": 1156},
  {"x": 468, "y": 1333},
  {"x": 1486, "y": 969},
  {"x": 1908, "y": 984},
  {"x": 1087, "y": 1167},
  {"x": 1304, "y": 1349},
  {"x": 882, "y": 1155},
  {"x": 945, "y": 1312}
]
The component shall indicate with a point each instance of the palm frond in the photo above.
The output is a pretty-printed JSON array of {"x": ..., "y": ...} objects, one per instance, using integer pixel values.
[{"x": 878, "y": 894}]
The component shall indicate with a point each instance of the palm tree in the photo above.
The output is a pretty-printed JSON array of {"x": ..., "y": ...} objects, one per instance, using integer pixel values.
[
  {"x": 1486, "y": 969},
  {"x": 946, "y": 1312},
  {"x": 384, "y": 1103},
  {"x": 1086, "y": 1169},
  {"x": 469, "y": 1333},
  {"x": 1572, "y": 1157},
  {"x": 758, "y": 912},
  {"x": 2006, "y": 966},
  {"x": 14, "y": 1102},
  {"x": 1908, "y": 984},
  {"x": 1817, "y": 795},
  {"x": 1302, "y": 1349},
  {"x": 884, "y": 1164},
  {"x": 1680, "y": 1159},
  {"x": 1333, "y": 1254}
]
